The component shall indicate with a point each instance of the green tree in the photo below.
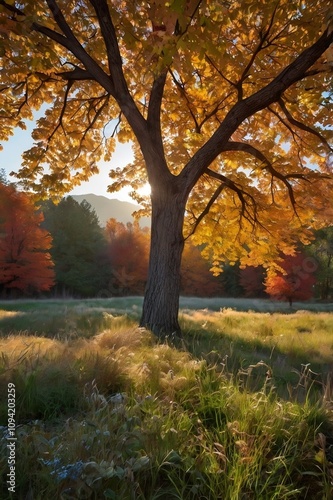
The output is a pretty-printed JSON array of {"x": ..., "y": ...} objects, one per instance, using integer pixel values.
[
  {"x": 321, "y": 253},
  {"x": 231, "y": 280},
  {"x": 78, "y": 247},
  {"x": 224, "y": 101}
]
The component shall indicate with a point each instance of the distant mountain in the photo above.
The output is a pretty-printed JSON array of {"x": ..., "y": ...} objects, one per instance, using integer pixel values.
[{"x": 106, "y": 208}]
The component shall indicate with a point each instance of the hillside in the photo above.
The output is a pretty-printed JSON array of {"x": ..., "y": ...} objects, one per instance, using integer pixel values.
[{"x": 106, "y": 208}]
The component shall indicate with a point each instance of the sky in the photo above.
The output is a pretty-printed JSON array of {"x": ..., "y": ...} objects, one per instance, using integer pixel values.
[{"x": 10, "y": 160}]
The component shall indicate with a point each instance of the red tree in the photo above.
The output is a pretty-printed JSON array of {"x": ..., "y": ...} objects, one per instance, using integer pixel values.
[
  {"x": 25, "y": 263},
  {"x": 295, "y": 280}
]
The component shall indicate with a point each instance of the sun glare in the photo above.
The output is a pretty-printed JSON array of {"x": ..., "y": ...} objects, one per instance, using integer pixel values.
[{"x": 145, "y": 190}]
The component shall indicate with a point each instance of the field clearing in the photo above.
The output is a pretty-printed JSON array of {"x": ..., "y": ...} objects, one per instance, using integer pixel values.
[
  {"x": 134, "y": 303},
  {"x": 243, "y": 330},
  {"x": 242, "y": 408}
]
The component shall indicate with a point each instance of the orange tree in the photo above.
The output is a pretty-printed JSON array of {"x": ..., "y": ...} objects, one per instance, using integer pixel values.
[
  {"x": 25, "y": 262},
  {"x": 196, "y": 278},
  {"x": 227, "y": 104},
  {"x": 127, "y": 251}
]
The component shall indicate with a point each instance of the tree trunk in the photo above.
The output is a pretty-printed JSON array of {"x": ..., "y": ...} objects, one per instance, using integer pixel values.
[{"x": 161, "y": 301}]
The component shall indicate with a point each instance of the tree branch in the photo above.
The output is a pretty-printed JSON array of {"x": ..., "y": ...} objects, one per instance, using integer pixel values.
[
  {"x": 112, "y": 49},
  {"x": 115, "y": 83},
  {"x": 74, "y": 46},
  {"x": 181, "y": 88},
  {"x": 301, "y": 125},
  {"x": 12, "y": 8},
  {"x": 241, "y": 193},
  {"x": 261, "y": 99},
  {"x": 248, "y": 148},
  {"x": 259, "y": 47},
  {"x": 76, "y": 74},
  {"x": 206, "y": 210},
  {"x": 154, "y": 109}
]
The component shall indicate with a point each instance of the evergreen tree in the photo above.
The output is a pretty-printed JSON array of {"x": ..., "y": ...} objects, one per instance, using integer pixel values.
[
  {"x": 231, "y": 280},
  {"x": 78, "y": 247},
  {"x": 321, "y": 254}
]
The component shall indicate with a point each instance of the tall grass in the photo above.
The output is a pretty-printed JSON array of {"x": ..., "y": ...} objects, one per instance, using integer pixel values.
[
  {"x": 104, "y": 411},
  {"x": 287, "y": 343}
]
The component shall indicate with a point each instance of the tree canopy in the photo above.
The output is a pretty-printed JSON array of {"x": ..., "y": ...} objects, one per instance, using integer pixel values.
[
  {"x": 321, "y": 251},
  {"x": 228, "y": 104},
  {"x": 25, "y": 261},
  {"x": 78, "y": 247},
  {"x": 294, "y": 281}
]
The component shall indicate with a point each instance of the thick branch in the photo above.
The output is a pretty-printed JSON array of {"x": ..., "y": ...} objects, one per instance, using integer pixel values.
[
  {"x": 112, "y": 48},
  {"x": 154, "y": 109},
  {"x": 74, "y": 46},
  {"x": 76, "y": 74},
  {"x": 12, "y": 8},
  {"x": 294, "y": 72},
  {"x": 115, "y": 84},
  {"x": 121, "y": 90}
]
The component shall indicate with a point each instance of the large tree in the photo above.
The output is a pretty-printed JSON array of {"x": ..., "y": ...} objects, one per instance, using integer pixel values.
[
  {"x": 227, "y": 103},
  {"x": 78, "y": 247},
  {"x": 25, "y": 262}
]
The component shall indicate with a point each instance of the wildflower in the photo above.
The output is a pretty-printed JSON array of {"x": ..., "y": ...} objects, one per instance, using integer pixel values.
[{"x": 61, "y": 472}]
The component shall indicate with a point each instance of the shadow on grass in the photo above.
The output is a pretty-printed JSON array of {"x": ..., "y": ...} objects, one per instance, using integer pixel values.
[
  {"x": 254, "y": 364},
  {"x": 63, "y": 319}
]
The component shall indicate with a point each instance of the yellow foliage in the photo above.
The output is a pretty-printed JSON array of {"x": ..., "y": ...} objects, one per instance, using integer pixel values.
[{"x": 211, "y": 56}]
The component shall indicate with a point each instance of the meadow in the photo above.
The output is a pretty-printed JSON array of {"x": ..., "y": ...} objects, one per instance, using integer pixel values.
[{"x": 240, "y": 409}]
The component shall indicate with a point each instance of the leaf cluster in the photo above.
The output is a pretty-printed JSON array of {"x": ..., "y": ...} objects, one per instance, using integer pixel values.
[{"x": 228, "y": 102}]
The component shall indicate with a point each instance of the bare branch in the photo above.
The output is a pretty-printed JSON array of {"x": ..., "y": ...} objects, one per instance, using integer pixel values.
[
  {"x": 261, "y": 99},
  {"x": 181, "y": 88},
  {"x": 242, "y": 195},
  {"x": 76, "y": 74},
  {"x": 301, "y": 125},
  {"x": 12, "y": 8},
  {"x": 206, "y": 210},
  {"x": 248, "y": 148}
]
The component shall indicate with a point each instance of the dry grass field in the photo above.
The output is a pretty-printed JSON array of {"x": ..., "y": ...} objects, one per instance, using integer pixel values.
[{"x": 240, "y": 409}]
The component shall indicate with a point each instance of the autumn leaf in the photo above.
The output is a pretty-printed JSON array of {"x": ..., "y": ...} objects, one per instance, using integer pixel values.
[{"x": 25, "y": 261}]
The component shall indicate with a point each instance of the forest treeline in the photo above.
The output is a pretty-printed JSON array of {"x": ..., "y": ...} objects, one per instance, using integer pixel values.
[{"x": 61, "y": 249}]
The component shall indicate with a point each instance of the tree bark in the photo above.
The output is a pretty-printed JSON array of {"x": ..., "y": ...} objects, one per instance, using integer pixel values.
[{"x": 161, "y": 301}]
